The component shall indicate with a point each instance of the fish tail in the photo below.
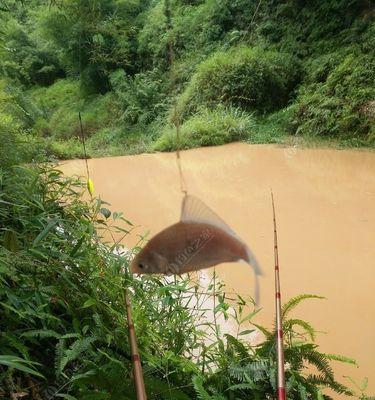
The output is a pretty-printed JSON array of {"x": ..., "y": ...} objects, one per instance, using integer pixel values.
[
  {"x": 256, "y": 290},
  {"x": 251, "y": 259}
]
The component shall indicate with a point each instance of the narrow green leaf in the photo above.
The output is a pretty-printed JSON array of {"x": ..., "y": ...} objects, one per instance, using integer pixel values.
[
  {"x": 89, "y": 303},
  {"x": 246, "y": 332},
  {"x": 45, "y": 231},
  {"x": 20, "y": 364}
]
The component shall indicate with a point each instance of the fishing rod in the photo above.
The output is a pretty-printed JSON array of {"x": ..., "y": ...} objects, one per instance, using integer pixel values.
[
  {"x": 281, "y": 392},
  {"x": 136, "y": 360}
]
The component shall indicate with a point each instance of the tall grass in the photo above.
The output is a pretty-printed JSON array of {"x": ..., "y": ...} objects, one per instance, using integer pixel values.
[{"x": 209, "y": 128}]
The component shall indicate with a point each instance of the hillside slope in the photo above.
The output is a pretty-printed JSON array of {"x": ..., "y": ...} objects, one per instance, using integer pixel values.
[{"x": 246, "y": 70}]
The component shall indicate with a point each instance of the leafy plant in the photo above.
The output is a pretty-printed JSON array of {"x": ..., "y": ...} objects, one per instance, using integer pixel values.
[
  {"x": 251, "y": 78},
  {"x": 209, "y": 128}
]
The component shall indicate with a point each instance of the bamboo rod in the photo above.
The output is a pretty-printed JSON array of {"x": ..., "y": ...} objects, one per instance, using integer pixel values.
[
  {"x": 136, "y": 360},
  {"x": 281, "y": 392}
]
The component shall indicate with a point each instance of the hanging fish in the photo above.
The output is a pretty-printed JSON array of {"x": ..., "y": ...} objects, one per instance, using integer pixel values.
[{"x": 201, "y": 239}]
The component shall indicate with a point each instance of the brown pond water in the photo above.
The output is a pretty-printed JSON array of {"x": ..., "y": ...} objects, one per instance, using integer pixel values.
[{"x": 325, "y": 202}]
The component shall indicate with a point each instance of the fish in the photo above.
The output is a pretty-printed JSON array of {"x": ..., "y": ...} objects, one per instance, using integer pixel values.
[{"x": 201, "y": 239}]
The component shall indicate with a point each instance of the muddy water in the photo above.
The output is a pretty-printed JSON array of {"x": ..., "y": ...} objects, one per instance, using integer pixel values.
[{"x": 325, "y": 202}]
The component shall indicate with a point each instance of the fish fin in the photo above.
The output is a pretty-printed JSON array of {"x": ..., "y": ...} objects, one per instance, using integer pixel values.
[
  {"x": 251, "y": 260},
  {"x": 257, "y": 273},
  {"x": 194, "y": 210},
  {"x": 256, "y": 290}
]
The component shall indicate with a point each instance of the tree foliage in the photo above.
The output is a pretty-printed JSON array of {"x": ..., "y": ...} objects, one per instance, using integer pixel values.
[{"x": 314, "y": 60}]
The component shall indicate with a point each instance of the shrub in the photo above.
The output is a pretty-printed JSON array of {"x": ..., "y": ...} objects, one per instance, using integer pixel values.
[
  {"x": 208, "y": 128},
  {"x": 16, "y": 146},
  {"x": 64, "y": 149},
  {"x": 16, "y": 115},
  {"x": 340, "y": 104},
  {"x": 141, "y": 98},
  {"x": 26, "y": 59},
  {"x": 18, "y": 105},
  {"x": 60, "y": 104},
  {"x": 118, "y": 140},
  {"x": 251, "y": 78}
]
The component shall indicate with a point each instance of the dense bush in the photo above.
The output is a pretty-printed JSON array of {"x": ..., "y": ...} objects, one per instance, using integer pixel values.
[
  {"x": 141, "y": 98},
  {"x": 121, "y": 140},
  {"x": 27, "y": 58},
  {"x": 251, "y": 78},
  {"x": 59, "y": 105},
  {"x": 208, "y": 128},
  {"x": 17, "y": 115},
  {"x": 340, "y": 101},
  {"x": 255, "y": 56},
  {"x": 100, "y": 37}
]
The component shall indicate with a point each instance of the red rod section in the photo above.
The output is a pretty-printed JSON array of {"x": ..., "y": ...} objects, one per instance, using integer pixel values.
[
  {"x": 137, "y": 366},
  {"x": 281, "y": 393}
]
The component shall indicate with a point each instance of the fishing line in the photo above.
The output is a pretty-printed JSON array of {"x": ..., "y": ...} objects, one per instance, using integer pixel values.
[
  {"x": 83, "y": 141},
  {"x": 175, "y": 116},
  {"x": 82, "y": 134}
]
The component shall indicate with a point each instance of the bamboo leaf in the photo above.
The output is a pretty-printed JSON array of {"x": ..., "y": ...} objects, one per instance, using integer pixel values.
[
  {"x": 89, "y": 303},
  {"x": 20, "y": 364},
  {"x": 51, "y": 224}
]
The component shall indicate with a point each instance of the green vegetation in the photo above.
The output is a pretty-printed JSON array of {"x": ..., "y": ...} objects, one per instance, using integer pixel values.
[
  {"x": 208, "y": 127},
  {"x": 62, "y": 321},
  {"x": 310, "y": 63},
  {"x": 250, "y": 78},
  {"x": 254, "y": 71}
]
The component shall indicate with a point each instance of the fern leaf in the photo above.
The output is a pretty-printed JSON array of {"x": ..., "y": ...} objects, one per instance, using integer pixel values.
[
  {"x": 265, "y": 331},
  {"x": 75, "y": 350},
  {"x": 238, "y": 346},
  {"x": 199, "y": 389},
  {"x": 41, "y": 334},
  {"x": 309, "y": 330},
  {"x": 295, "y": 301},
  {"x": 320, "y": 362},
  {"x": 17, "y": 344},
  {"x": 338, "y": 357},
  {"x": 257, "y": 370},
  {"x": 243, "y": 386}
]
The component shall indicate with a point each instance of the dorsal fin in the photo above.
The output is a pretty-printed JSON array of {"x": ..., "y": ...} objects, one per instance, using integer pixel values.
[{"x": 194, "y": 210}]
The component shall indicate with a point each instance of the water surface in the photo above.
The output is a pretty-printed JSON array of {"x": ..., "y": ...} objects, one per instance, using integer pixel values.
[{"x": 325, "y": 201}]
